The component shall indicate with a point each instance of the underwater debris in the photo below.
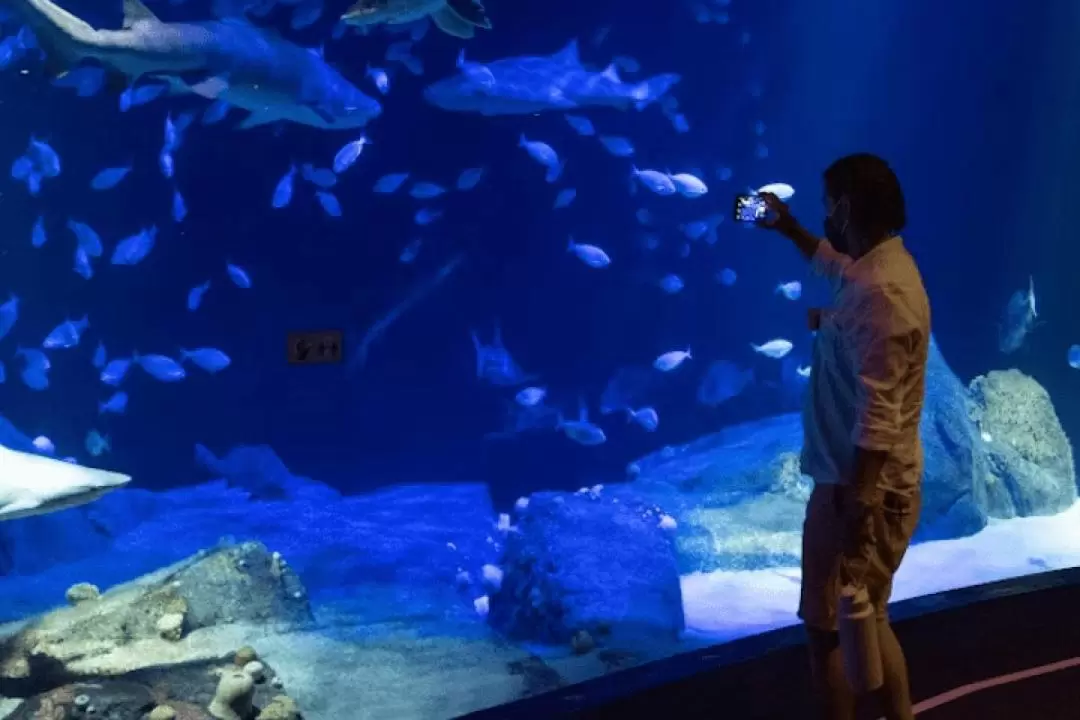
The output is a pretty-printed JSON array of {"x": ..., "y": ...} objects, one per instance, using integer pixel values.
[{"x": 418, "y": 292}]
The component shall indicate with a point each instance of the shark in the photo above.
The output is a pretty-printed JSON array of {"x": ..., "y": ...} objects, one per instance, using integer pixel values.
[
  {"x": 32, "y": 484},
  {"x": 230, "y": 59},
  {"x": 531, "y": 84}
]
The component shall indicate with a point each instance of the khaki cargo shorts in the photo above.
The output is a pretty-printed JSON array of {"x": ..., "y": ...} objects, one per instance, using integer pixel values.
[{"x": 886, "y": 542}]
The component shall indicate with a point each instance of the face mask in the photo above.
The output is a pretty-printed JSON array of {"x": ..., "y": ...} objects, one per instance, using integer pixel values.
[{"x": 836, "y": 224}]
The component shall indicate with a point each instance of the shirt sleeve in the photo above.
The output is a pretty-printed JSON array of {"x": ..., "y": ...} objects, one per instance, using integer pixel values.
[
  {"x": 881, "y": 348},
  {"x": 828, "y": 262}
]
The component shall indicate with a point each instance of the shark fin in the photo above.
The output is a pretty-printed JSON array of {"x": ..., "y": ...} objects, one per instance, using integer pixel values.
[
  {"x": 136, "y": 12},
  {"x": 205, "y": 84},
  {"x": 452, "y": 24},
  {"x": 568, "y": 55},
  {"x": 321, "y": 111},
  {"x": 258, "y": 117},
  {"x": 612, "y": 73},
  {"x": 471, "y": 11}
]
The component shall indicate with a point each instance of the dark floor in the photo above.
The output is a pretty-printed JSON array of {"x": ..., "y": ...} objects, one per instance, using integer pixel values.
[{"x": 951, "y": 640}]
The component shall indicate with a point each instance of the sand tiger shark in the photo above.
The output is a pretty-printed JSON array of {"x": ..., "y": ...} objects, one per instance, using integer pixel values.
[
  {"x": 248, "y": 67},
  {"x": 36, "y": 485}
]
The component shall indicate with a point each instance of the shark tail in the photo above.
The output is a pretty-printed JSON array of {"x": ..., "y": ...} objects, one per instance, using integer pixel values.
[
  {"x": 65, "y": 39},
  {"x": 649, "y": 91}
]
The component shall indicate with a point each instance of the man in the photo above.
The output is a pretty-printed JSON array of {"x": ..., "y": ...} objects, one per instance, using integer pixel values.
[{"x": 861, "y": 419}]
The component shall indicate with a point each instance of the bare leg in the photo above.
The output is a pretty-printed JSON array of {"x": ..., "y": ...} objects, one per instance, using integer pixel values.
[
  {"x": 895, "y": 694},
  {"x": 833, "y": 697}
]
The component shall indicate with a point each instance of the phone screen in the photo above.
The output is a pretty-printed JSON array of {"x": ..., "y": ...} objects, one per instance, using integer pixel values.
[{"x": 750, "y": 208}]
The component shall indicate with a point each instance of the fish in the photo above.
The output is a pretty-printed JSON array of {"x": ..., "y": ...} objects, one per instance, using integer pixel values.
[
  {"x": 109, "y": 178},
  {"x": 211, "y": 360},
  {"x": 458, "y": 18},
  {"x": 565, "y": 198},
  {"x": 723, "y": 381},
  {"x": 117, "y": 404},
  {"x": 656, "y": 181},
  {"x": 38, "y": 237},
  {"x": 9, "y": 315},
  {"x": 36, "y": 366},
  {"x": 646, "y": 417},
  {"x": 66, "y": 334},
  {"x": 133, "y": 249},
  {"x": 689, "y": 185},
  {"x": 672, "y": 359},
  {"x": 775, "y": 349},
  {"x": 617, "y": 145},
  {"x": 727, "y": 277},
  {"x": 238, "y": 275},
  {"x": 591, "y": 255},
  {"x": 324, "y": 178},
  {"x": 410, "y": 251},
  {"x": 32, "y": 484},
  {"x": 1073, "y": 357},
  {"x": 1018, "y": 319},
  {"x": 134, "y": 96},
  {"x": 349, "y": 153},
  {"x": 179, "y": 207},
  {"x": 532, "y": 84},
  {"x": 85, "y": 81},
  {"x": 100, "y": 356},
  {"x": 283, "y": 190},
  {"x": 530, "y": 396},
  {"x": 160, "y": 367},
  {"x": 542, "y": 153},
  {"x": 627, "y": 387},
  {"x": 379, "y": 77},
  {"x": 390, "y": 183},
  {"x": 115, "y": 371},
  {"x": 469, "y": 179},
  {"x": 96, "y": 444},
  {"x": 215, "y": 112},
  {"x": 671, "y": 284},
  {"x": 495, "y": 364},
  {"x": 86, "y": 238},
  {"x": 426, "y": 190},
  {"x": 782, "y": 191},
  {"x": 229, "y": 59},
  {"x": 581, "y": 430},
  {"x": 329, "y": 202},
  {"x": 580, "y": 124},
  {"x": 195, "y": 296},
  {"x": 82, "y": 264},
  {"x": 791, "y": 290},
  {"x": 3, "y": 373},
  {"x": 426, "y": 216}
]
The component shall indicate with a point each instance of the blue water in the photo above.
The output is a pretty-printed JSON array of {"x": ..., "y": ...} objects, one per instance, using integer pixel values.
[{"x": 972, "y": 109}]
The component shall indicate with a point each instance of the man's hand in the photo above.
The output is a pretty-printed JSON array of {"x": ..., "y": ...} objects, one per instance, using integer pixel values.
[
  {"x": 780, "y": 217},
  {"x": 782, "y": 221}
]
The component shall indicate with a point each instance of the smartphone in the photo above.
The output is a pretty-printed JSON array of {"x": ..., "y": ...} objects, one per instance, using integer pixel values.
[{"x": 750, "y": 208}]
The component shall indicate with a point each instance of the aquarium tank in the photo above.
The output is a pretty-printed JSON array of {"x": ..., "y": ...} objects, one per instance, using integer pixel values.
[{"x": 403, "y": 358}]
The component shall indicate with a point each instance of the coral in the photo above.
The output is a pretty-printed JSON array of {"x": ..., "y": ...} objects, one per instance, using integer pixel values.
[
  {"x": 170, "y": 626},
  {"x": 162, "y": 712},
  {"x": 82, "y": 592},
  {"x": 582, "y": 643},
  {"x": 232, "y": 701},
  {"x": 245, "y": 655},
  {"x": 280, "y": 708},
  {"x": 256, "y": 670},
  {"x": 1031, "y": 470}
]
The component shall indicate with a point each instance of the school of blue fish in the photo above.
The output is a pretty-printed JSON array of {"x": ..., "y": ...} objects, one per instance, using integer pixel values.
[{"x": 236, "y": 66}]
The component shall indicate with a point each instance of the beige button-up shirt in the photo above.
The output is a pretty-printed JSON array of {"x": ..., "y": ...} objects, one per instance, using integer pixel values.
[{"x": 868, "y": 375}]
